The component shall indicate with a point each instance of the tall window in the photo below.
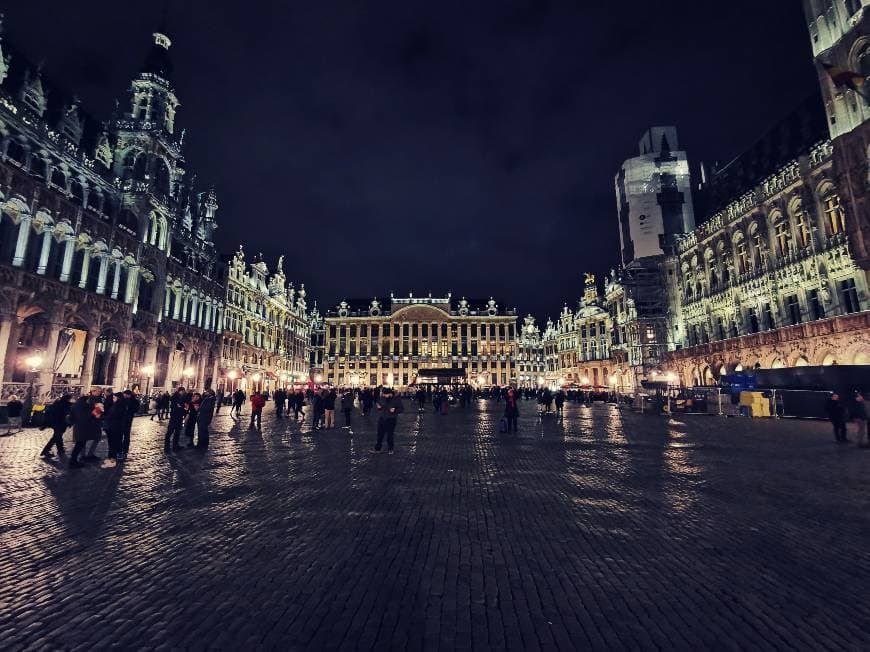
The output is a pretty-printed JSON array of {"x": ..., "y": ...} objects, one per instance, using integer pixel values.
[
  {"x": 803, "y": 227},
  {"x": 793, "y": 309},
  {"x": 742, "y": 256},
  {"x": 849, "y": 296},
  {"x": 834, "y": 218},
  {"x": 817, "y": 310},
  {"x": 753, "y": 321},
  {"x": 783, "y": 236},
  {"x": 758, "y": 248}
]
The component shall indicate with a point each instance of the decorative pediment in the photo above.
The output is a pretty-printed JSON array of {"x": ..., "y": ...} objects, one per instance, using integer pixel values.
[{"x": 420, "y": 312}]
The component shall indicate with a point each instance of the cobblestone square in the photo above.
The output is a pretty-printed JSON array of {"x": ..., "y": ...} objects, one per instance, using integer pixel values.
[{"x": 607, "y": 530}]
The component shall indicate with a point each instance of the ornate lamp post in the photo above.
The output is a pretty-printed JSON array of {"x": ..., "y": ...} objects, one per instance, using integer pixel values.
[
  {"x": 33, "y": 362},
  {"x": 188, "y": 374},
  {"x": 148, "y": 372}
]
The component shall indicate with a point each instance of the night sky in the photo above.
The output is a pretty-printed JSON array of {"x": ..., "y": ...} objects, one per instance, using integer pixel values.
[{"x": 434, "y": 146}]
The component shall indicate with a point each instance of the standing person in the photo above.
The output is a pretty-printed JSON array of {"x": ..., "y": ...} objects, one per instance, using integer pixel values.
[
  {"x": 238, "y": 401},
  {"x": 14, "y": 408},
  {"x": 257, "y": 404},
  {"x": 421, "y": 399},
  {"x": 207, "y": 408},
  {"x": 299, "y": 404},
  {"x": 436, "y": 401},
  {"x": 163, "y": 405},
  {"x": 218, "y": 400},
  {"x": 190, "y": 421},
  {"x": 329, "y": 408},
  {"x": 836, "y": 412},
  {"x": 280, "y": 398},
  {"x": 114, "y": 422},
  {"x": 559, "y": 399},
  {"x": 368, "y": 400},
  {"x": 390, "y": 407},
  {"x": 56, "y": 419},
  {"x": 177, "y": 411},
  {"x": 347, "y": 406},
  {"x": 511, "y": 409},
  {"x": 133, "y": 402},
  {"x": 97, "y": 398},
  {"x": 316, "y": 410},
  {"x": 86, "y": 415},
  {"x": 858, "y": 412}
]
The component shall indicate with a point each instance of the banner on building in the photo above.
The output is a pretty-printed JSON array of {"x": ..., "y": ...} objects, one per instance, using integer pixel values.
[{"x": 70, "y": 352}]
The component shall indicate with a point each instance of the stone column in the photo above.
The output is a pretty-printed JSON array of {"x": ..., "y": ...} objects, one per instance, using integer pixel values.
[
  {"x": 101, "y": 279},
  {"x": 5, "y": 336},
  {"x": 68, "y": 251},
  {"x": 116, "y": 279},
  {"x": 86, "y": 265},
  {"x": 46, "y": 376},
  {"x": 21, "y": 243},
  {"x": 194, "y": 304},
  {"x": 43, "y": 255},
  {"x": 122, "y": 366},
  {"x": 130, "y": 294},
  {"x": 90, "y": 354},
  {"x": 177, "y": 307}
]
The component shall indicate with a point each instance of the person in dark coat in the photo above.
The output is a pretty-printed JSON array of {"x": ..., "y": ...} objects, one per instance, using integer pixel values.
[
  {"x": 280, "y": 399},
  {"x": 56, "y": 419},
  {"x": 858, "y": 413},
  {"x": 329, "y": 408},
  {"x": 14, "y": 409},
  {"x": 207, "y": 408},
  {"x": 317, "y": 407},
  {"x": 511, "y": 409},
  {"x": 218, "y": 400},
  {"x": 190, "y": 421},
  {"x": 238, "y": 401},
  {"x": 114, "y": 422},
  {"x": 347, "y": 406},
  {"x": 836, "y": 411},
  {"x": 133, "y": 402},
  {"x": 420, "y": 397},
  {"x": 390, "y": 407},
  {"x": 177, "y": 412},
  {"x": 86, "y": 414}
]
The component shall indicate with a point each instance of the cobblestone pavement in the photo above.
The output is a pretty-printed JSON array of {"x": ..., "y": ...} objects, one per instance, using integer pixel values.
[{"x": 608, "y": 529}]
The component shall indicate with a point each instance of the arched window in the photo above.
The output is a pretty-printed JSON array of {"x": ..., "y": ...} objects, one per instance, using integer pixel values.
[
  {"x": 162, "y": 178},
  {"x": 77, "y": 192},
  {"x": 140, "y": 167},
  {"x": 741, "y": 255},
  {"x": 801, "y": 220},
  {"x": 141, "y": 109},
  {"x": 835, "y": 221},
  {"x": 782, "y": 235},
  {"x": 15, "y": 152},
  {"x": 58, "y": 178},
  {"x": 38, "y": 167}
]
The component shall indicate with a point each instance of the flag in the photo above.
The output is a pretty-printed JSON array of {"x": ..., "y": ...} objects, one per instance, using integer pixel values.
[{"x": 844, "y": 77}]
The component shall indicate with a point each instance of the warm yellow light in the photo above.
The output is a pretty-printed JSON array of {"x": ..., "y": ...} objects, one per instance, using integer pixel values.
[
  {"x": 540, "y": 380},
  {"x": 231, "y": 374},
  {"x": 33, "y": 361},
  {"x": 612, "y": 380},
  {"x": 148, "y": 370},
  {"x": 584, "y": 380},
  {"x": 256, "y": 378},
  {"x": 283, "y": 378},
  {"x": 318, "y": 378},
  {"x": 188, "y": 372},
  {"x": 671, "y": 377}
]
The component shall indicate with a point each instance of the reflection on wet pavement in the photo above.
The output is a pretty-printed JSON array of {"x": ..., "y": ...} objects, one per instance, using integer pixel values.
[{"x": 604, "y": 529}]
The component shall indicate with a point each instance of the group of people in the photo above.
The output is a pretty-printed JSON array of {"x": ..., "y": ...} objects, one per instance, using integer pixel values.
[
  {"x": 840, "y": 412},
  {"x": 190, "y": 413},
  {"x": 90, "y": 416}
]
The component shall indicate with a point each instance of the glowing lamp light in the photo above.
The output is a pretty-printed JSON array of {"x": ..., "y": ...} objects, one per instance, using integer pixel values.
[
  {"x": 256, "y": 378},
  {"x": 540, "y": 380},
  {"x": 231, "y": 374},
  {"x": 671, "y": 377},
  {"x": 584, "y": 380},
  {"x": 283, "y": 378},
  {"x": 148, "y": 370},
  {"x": 318, "y": 378},
  {"x": 612, "y": 380},
  {"x": 33, "y": 361}
]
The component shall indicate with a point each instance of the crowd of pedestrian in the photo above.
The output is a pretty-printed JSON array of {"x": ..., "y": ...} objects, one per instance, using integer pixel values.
[{"x": 840, "y": 412}]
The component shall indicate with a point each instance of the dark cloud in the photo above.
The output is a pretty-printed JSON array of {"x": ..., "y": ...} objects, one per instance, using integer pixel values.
[{"x": 434, "y": 146}]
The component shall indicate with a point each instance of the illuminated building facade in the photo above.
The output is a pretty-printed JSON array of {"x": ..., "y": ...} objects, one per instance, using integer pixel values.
[
  {"x": 387, "y": 341},
  {"x": 109, "y": 272},
  {"x": 530, "y": 365},
  {"x": 769, "y": 280},
  {"x": 266, "y": 330}
]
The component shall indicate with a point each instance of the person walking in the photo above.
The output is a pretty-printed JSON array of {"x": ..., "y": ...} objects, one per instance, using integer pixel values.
[
  {"x": 177, "y": 412},
  {"x": 257, "y": 404},
  {"x": 86, "y": 415},
  {"x": 14, "y": 409},
  {"x": 367, "y": 398},
  {"x": 238, "y": 401},
  {"x": 57, "y": 418},
  {"x": 218, "y": 400},
  {"x": 191, "y": 419},
  {"x": 511, "y": 409},
  {"x": 390, "y": 407},
  {"x": 858, "y": 412},
  {"x": 114, "y": 422},
  {"x": 207, "y": 408},
  {"x": 280, "y": 398},
  {"x": 299, "y": 404},
  {"x": 96, "y": 398},
  {"x": 317, "y": 407},
  {"x": 837, "y": 413},
  {"x": 347, "y": 406},
  {"x": 329, "y": 409},
  {"x": 420, "y": 396},
  {"x": 164, "y": 402}
]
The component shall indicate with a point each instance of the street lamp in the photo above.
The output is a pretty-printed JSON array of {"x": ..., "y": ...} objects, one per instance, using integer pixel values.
[
  {"x": 188, "y": 373},
  {"x": 34, "y": 362},
  {"x": 148, "y": 372}
]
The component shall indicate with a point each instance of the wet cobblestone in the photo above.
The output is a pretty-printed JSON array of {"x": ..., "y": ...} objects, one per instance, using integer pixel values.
[{"x": 608, "y": 529}]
